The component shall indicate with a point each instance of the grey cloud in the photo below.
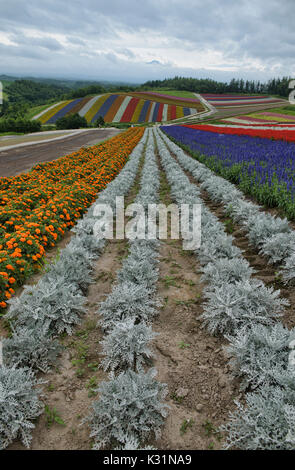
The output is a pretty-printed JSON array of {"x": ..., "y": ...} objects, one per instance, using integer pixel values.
[{"x": 242, "y": 31}]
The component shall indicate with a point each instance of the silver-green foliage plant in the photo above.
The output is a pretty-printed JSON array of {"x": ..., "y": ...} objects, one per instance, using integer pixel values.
[
  {"x": 19, "y": 404},
  {"x": 227, "y": 271},
  {"x": 241, "y": 210},
  {"x": 233, "y": 306},
  {"x": 126, "y": 345},
  {"x": 219, "y": 248},
  {"x": 142, "y": 271},
  {"x": 128, "y": 300},
  {"x": 288, "y": 271},
  {"x": 279, "y": 247},
  {"x": 263, "y": 226},
  {"x": 73, "y": 267},
  {"x": 267, "y": 422},
  {"x": 129, "y": 404},
  {"x": 57, "y": 306},
  {"x": 260, "y": 355},
  {"x": 133, "y": 295},
  {"x": 31, "y": 348}
]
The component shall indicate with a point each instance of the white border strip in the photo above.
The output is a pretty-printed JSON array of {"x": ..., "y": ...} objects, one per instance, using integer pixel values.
[
  {"x": 88, "y": 105},
  {"x": 47, "y": 109},
  {"x": 122, "y": 109}
]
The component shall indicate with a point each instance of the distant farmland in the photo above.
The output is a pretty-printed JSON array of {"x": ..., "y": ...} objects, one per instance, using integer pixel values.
[{"x": 136, "y": 107}]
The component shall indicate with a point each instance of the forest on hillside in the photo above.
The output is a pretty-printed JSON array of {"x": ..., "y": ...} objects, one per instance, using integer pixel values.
[
  {"x": 22, "y": 95},
  {"x": 275, "y": 86}
]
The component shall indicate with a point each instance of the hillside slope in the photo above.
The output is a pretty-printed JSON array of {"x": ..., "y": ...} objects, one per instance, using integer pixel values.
[{"x": 136, "y": 107}]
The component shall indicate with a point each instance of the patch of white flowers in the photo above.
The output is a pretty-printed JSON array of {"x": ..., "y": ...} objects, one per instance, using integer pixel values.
[
  {"x": 243, "y": 308},
  {"x": 51, "y": 307}
]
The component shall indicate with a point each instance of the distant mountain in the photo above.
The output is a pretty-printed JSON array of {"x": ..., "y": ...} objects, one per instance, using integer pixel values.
[{"x": 71, "y": 84}]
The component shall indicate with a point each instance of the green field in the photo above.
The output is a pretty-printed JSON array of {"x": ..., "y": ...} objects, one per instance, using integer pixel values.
[
  {"x": 35, "y": 110},
  {"x": 168, "y": 91},
  {"x": 289, "y": 109}
]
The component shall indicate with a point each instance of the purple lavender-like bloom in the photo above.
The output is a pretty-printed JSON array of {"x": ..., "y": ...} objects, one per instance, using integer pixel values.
[{"x": 263, "y": 163}]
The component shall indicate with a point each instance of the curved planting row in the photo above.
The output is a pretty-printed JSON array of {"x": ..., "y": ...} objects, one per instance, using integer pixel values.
[
  {"x": 246, "y": 312},
  {"x": 224, "y": 101},
  {"x": 272, "y": 236},
  {"x": 130, "y": 407},
  {"x": 121, "y": 108},
  {"x": 262, "y": 118},
  {"x": 37, "y": 208},
  {"x": 164, "y": 98},
  {"x": 53, "y": 306},
  {"x": 280, "y": 134},
  {"x": 262, "y": 168}
]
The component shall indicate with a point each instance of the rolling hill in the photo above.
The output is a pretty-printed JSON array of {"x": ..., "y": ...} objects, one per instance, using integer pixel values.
[{"x": 133, "y": 107}]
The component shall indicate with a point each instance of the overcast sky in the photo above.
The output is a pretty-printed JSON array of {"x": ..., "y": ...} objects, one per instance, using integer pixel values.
[{"x": 137, "y": 40}]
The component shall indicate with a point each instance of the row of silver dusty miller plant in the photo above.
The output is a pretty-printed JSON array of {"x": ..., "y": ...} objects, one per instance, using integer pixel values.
[
  {"x": 246, "y": 312},
  {"x": 273, "y": 236},
  {"x": 130, "y": 408},
  {"x": 53, "y": 306}
]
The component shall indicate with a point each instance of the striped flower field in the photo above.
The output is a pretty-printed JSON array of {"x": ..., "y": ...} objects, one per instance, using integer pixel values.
[
  {"x": 263, "y": 118},
  {"x": 225, "y": 101},
  {"x": 133, "y": 108}
]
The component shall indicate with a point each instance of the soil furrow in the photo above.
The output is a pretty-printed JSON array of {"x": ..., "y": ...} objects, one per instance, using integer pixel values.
[{"x": 191, "y": 361}]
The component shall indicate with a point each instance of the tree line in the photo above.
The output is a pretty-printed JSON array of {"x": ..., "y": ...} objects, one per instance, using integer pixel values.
[{"x": 275, "y": 86}]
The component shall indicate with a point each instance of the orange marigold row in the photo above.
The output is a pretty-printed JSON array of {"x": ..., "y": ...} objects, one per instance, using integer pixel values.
[{"x": 36, "y": 209}]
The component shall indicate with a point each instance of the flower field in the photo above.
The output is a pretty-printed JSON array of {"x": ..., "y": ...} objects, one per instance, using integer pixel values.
[
  {"x": 264, "y": 118},
  {"x": 227, "y": 100},
  {"x": 134, "y": 108},
  {"x": 261, "y": 167},
  {"x": 127, "y": 333},
  {"x": 276, "y": 133},
  {"x": 39, "y": 207}
]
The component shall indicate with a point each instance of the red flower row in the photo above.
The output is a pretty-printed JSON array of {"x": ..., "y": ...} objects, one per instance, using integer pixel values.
[{"x": 287, "y": 135}]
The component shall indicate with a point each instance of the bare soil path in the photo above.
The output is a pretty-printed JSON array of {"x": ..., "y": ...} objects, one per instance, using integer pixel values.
[
  {"x": 189, "y": 360},
  {"x": 22, "y": 159}
]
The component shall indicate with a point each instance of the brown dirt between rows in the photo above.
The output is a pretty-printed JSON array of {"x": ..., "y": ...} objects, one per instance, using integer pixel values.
[
  {"x": 22, "y": 159},
  {"x": 189, "y": 360}
]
